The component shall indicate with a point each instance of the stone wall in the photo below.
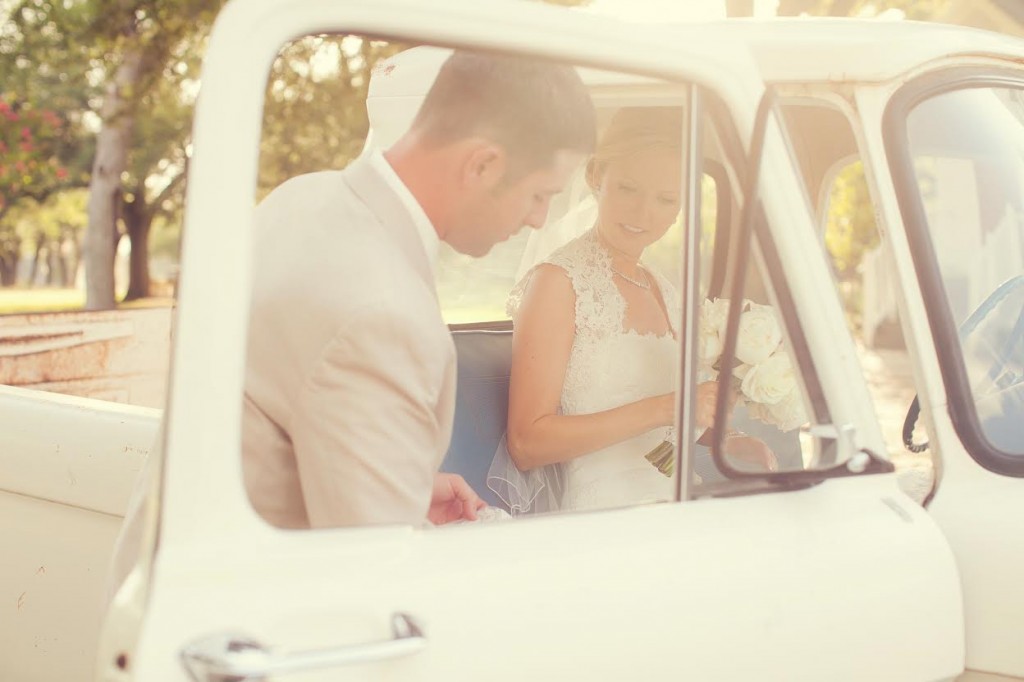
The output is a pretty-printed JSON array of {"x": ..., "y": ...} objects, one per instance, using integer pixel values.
[{"x": 117, "y": 355}]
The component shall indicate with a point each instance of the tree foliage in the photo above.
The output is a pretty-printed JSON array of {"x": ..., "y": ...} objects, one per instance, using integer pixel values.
[
  {"x": 850, "y": 230},
  {"x": 51, "y": 91},
  {"x": 315, "y": 112},
  {"x": 125, "y": 69}
]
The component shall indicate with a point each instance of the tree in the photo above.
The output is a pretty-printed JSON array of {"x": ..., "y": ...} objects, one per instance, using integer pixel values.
[
  {"x": 315, "y": 112},
  {"x": 149, "y": 41},
  {"x": 850, "y": 230},
  {"x": 44, "y": 145},
  {"x": 53, "y": 229},
  {"x": 47, "y": 91}
]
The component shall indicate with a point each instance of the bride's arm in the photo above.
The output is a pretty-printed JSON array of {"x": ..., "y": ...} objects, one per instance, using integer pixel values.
[{"x": 542, "y": 342}]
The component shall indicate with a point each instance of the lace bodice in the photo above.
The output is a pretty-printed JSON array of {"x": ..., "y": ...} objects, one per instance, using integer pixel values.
[{"x": 610, "y": 366}]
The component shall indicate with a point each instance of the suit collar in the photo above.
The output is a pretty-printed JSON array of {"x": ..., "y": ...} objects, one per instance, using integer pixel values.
[{"x": 383, "y": 200}]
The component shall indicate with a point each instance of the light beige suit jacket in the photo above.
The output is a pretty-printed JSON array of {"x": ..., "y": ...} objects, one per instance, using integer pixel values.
[
  {"x": 350, "y": 371},
  {"x": 350, "y": 380}
]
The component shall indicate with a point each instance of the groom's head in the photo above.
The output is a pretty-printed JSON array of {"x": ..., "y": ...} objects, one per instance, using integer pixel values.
[{"x": 505, "y": 133}]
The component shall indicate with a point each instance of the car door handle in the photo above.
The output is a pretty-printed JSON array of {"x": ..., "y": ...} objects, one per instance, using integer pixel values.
[{"x": 238, "y": 658}]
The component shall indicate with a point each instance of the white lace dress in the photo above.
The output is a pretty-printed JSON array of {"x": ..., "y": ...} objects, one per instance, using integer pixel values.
[{"x": 611, "y": 366}]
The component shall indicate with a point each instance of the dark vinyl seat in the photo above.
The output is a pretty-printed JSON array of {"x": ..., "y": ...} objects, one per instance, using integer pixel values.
[
  {"x": 481, "y": 405},
  {"x": 481, "y": 414}
]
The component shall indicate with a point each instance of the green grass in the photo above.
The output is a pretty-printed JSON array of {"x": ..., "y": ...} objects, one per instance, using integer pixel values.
[{"x": 16, "y": 300}]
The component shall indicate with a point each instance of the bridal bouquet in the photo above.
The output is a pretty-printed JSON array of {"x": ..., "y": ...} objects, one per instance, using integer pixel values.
[
  {"x": 763, "y": 372},
  {"x": 763, "y": 375}
]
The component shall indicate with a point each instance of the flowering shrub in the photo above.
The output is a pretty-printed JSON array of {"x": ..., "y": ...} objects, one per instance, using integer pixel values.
[{"x": 29, "y": 139}]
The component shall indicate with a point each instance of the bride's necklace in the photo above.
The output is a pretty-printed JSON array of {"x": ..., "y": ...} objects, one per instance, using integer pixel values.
[{"x": 645, "y": 284}]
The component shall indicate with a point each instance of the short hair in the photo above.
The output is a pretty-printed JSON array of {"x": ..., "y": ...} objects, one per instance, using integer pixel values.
[{"x": 532, "y": 108}]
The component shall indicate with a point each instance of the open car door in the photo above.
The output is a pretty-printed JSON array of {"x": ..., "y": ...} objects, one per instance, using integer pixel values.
[
  {"x": 804, "y": 573},
  {"x": 951, "y": 158}
]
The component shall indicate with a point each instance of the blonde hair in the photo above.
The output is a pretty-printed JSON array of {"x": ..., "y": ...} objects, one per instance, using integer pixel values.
[{"x": 633, "y": 129}]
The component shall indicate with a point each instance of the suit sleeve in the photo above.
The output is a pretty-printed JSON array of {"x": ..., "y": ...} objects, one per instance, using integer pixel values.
[{"x": 365, "y": 431}]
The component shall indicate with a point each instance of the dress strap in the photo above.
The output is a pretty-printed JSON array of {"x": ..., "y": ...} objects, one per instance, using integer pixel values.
[{"x": 600, "y": 308}]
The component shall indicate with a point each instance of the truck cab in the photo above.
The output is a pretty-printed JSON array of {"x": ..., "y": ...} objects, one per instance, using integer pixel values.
[{"x": 822, "y": 569}]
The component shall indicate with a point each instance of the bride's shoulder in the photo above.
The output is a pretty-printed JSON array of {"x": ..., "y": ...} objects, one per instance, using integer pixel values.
[
  {"x": 546, "y": 284},
  {"x": 581, "y": 252}
]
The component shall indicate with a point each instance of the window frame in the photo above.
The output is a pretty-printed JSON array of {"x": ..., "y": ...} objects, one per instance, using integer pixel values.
[
  {"x": 944, "y": 330},
  {"x": 754, "y": 225}
]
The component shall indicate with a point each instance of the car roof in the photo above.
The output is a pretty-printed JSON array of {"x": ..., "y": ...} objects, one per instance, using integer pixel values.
[
  {"x": 785, "y": 49},
  {"x": 853, "y": 50}
]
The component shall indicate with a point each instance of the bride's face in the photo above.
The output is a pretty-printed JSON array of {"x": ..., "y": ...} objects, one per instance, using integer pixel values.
[{"x": 638, "y": 198}]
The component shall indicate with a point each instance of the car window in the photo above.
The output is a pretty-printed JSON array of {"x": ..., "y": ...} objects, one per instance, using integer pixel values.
[
  {"x": 966, "y": 147},
  {"x": 862, "y": 270},
  {"x": 334, "y": 103}
]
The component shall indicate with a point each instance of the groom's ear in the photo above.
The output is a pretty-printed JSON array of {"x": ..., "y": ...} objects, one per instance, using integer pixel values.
[{"x": 485, "y": 165}]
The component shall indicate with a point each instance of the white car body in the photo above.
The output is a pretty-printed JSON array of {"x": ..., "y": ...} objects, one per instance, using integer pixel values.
[{"x": 847, "y": 579}]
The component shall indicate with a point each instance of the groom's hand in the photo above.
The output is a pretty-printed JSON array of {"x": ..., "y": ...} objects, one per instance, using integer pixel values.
[{"x": 453, "y": 500}]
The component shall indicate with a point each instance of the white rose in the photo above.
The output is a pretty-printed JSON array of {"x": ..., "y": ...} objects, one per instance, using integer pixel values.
[
  {"x": 770, "y": 381},
  {"x": 714, "y": 314},
  {"x": 788, "y": 413},
  {"x": 711, "y": 330},
  {"x": 759, "y": 334},
  {"x": 709, "y": 346}
]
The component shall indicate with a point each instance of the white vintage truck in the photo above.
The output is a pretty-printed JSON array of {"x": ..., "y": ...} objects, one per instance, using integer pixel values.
[{"x": 822, "y": 570}]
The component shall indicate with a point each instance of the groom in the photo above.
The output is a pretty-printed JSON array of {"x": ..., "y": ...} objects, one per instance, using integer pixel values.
[{"x": 350, "y": 372}]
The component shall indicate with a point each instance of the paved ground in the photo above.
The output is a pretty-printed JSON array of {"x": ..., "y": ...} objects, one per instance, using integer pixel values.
[{"x": 891, "y": 384}]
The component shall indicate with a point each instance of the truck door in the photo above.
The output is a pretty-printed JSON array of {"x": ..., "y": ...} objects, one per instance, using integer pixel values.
[
  {"x": 953, "y": 176},
  {"x": 804, "y": 572}
]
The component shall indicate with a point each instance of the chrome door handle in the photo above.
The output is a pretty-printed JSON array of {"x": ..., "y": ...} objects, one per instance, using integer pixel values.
[{"x": 237, "y": 658}]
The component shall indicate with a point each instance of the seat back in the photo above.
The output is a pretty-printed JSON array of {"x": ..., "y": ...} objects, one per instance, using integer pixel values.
[{"x": 481, "y": 405}]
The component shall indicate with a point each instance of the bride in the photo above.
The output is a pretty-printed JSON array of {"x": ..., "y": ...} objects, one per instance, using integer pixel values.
[{"x": 594, "y": 359}]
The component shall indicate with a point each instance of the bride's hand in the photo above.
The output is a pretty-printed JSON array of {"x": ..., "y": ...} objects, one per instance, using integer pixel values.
[
  {"x": 751, "y": 451},
  {"x": 707, "y": 398},
  {"x": 704, "y": 409}
]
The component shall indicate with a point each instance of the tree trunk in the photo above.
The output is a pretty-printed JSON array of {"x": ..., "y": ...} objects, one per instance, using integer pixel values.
[
  {"x": 54, "y": 264},
  {"x": 138, "y": 222},
  {"x": 37, "y": 256},
  {"x": 104, "y": 189},
  {"x": 739, "y": 8},
  {"x": 8, "y": 268},
  {"x": 69, "y": 256},
  {"x": 830, "y": 8}
]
